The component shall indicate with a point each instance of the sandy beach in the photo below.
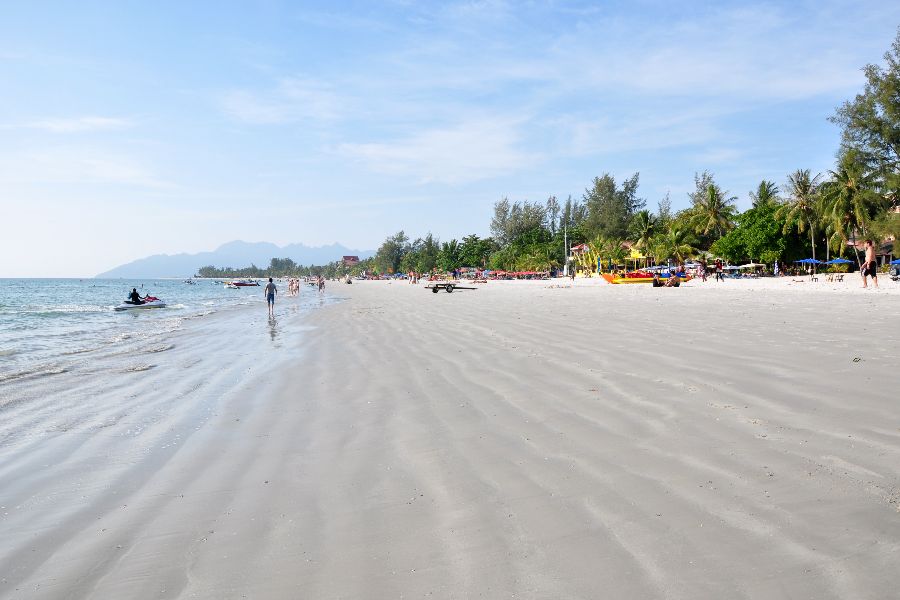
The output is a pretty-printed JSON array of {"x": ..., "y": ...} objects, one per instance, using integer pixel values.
[{"x": 524, "y": 440}]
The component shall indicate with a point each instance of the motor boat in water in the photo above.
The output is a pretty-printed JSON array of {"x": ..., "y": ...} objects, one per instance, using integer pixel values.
[
  {"x": 152, "y": 303},
  {"x": 245, "y": 283}
]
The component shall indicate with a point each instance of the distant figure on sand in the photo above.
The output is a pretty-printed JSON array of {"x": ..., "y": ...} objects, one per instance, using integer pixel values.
[
  {"x": 269, "y": 292},
  {"x": 870, "y": 267}
]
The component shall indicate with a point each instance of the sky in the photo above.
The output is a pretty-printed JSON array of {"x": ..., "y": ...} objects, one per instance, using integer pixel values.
[{"x": 132, "y": 128}]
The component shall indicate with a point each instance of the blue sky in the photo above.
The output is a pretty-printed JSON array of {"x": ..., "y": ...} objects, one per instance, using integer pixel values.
[{"x": 135, "y": 128}]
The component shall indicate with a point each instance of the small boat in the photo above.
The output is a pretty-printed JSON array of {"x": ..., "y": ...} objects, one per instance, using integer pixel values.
[
  {"x": 640, "y": 277},
  {"x": 128, "y": 305},
  {"x": 244, "y": 283}
]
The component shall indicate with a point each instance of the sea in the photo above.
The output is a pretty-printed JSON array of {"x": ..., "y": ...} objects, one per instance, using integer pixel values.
[{"x": 49, "y": 326}]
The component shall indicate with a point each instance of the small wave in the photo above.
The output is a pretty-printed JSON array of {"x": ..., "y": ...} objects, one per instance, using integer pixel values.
[
  {"x": 78, "y": 351},
  {"x": 200, "y": 315},
  {"x": 64, "y": 309},
  {"x": 138, "y": 368},
  {"x": 161, "y": 348},
  {"x": 8, "y": 352},
  {"x": 34, "y": 372}
]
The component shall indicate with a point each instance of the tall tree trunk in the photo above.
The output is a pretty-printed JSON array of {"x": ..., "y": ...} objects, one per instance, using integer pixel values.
[{"x": 812, "y": 239}]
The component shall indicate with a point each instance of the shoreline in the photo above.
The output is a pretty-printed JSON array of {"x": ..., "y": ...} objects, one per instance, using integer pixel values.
[{"x": 518, "y": 440}]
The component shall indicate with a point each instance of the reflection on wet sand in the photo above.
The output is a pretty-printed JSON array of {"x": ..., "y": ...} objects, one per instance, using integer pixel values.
[{"x": 273, "y": 331}]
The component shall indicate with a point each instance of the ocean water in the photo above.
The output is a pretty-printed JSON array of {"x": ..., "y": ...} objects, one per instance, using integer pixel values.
[{"x": 49, "y": 325}]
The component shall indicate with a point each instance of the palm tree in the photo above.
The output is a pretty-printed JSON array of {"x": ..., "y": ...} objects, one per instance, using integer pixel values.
[
  {"x": 766, "y": 193},
  {"x": 715, "y": 211},
  {"x": 642, "y": 229},
  {"x": 678, "y": 243},
  {"x": 802, "y": 209},
  {"x": 850, "y": 200}
]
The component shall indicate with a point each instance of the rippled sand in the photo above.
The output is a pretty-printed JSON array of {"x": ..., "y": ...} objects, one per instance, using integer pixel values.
[{"x": 515, "y": 441}]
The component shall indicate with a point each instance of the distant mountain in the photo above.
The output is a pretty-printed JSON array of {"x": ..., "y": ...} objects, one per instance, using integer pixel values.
[{"x": 233, "y": 254}]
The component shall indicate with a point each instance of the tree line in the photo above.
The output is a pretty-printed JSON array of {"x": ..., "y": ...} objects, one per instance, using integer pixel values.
[{"x": 808, "y": 215}]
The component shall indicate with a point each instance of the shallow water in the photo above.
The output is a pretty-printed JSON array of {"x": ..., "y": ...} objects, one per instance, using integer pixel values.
[{"x": 47, "y": 326}]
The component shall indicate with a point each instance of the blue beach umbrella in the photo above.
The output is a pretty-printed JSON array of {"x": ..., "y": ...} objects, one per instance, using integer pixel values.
[
  {"x": 895, "y": 262},
  {"x": 838, "y": 261},
  {"x": 809, "y": 261}
]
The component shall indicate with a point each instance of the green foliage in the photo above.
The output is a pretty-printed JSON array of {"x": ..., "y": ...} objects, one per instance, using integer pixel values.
[
  {"x": 512, "y": 220},
  {"x": 609, "y": 207},
  {"x": 886, "y": 225},
  {"x": 713, "y": 210},
  {"x": 642, "y": 229},
  {"x": 803, "y": 209},
  {"x": 871, "y": 123},
  {"x": 766, "y": 193},
  {"x": 759, "y": 235},
  {"x": 678, "y": 243},
  {"x": 448, "y": 259},
  {"x": 474, "y": 251},
  {"x": 391, "y": 252},
  {"x": 664, "y": 213},
  {"x": 850, "y": 200}
]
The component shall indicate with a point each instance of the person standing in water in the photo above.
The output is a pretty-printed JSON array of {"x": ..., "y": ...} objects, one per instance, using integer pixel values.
[
  {"x": 870, "y": 267},
  {"x": 269, "y": 292}
]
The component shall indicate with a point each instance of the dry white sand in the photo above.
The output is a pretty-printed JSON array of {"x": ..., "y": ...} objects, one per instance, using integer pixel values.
[{"x": 736, "y": 440}]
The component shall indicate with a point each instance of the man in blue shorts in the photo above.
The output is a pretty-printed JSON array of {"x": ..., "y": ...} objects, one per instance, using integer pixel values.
[{"x": 270, "y": 292}]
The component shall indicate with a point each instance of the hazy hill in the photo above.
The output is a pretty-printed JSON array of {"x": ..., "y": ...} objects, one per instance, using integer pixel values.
[{"x": 233, "y": 254}]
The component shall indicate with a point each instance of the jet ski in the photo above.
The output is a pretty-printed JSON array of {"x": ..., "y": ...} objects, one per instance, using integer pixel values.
[{"x": 149, "y": 302}]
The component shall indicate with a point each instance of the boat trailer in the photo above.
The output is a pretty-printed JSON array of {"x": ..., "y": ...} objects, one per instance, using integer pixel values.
[{"x": 449, "y": 286}]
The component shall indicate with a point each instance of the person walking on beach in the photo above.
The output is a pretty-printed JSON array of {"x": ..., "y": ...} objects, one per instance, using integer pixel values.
[
  {"x": 269, "y": 292},
  {"x": 870, "y": 267}
]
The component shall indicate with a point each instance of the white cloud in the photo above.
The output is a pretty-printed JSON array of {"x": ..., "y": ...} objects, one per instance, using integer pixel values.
[
  {"x": 763, "y": 53},
  {"x": 79, "y": 124},
  {"x": 293, "y": 99},
  {"x": 471, "y": 151},
  {"x": 78, "y": 165}
]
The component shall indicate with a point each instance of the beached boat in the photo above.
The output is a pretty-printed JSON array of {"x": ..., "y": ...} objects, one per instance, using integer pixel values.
[{"x": 640, "y": 277}]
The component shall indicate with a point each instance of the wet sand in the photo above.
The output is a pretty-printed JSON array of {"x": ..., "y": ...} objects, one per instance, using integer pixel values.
[{"x": 516, "y": 441}]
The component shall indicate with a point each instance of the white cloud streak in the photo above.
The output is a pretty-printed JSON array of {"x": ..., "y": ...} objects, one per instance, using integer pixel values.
[
  {"x": 78, "y": 166},
  {"x": 86, "y": 124},
  {"x": 470, "y": 151},
  {"x": 293, "y": 99}
]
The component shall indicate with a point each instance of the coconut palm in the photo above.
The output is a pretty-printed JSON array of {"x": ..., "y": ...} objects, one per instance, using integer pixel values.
[
  {"x": 803, "y": 207},
  {"x": 849, "y": 199},
  {"x": 642, "y": 229},
  {"x": 714, "y": 211},
  {"x": 677, "y": 243},
  {"x": 766, "y": 193}
]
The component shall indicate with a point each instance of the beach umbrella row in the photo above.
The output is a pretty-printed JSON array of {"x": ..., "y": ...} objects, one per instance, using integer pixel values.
[{"x": 833, "y": 261}]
